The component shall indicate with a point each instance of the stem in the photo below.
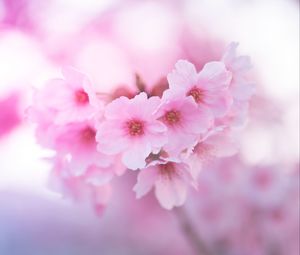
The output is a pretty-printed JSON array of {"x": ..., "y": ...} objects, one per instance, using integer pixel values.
[
  {"x": 190, "y": 233},
  {"x": 139, "y": 83}
]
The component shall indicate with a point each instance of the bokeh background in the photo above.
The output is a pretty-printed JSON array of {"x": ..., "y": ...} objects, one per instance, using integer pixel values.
[{"x": 111, "y": 40}]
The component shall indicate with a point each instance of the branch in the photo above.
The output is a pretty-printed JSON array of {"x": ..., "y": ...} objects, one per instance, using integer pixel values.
[{"x": 190, "y": 232}]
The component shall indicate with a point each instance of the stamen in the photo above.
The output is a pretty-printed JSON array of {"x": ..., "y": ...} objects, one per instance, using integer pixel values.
[
  {"x": 135, "y": 127},
  {"x": 197, "y": 94},
  {"x": 167, "y": 170},
  {"x": 172, "y": 117},
  {"x": 81, "y": 97},
  {"x": 88, "y": 135}
]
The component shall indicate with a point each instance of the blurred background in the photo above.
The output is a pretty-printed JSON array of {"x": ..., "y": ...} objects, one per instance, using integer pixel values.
[{"x": 111, "y": 40}]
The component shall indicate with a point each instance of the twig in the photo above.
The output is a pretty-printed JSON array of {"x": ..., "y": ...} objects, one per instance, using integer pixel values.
[{"x": 190, "y": 232}]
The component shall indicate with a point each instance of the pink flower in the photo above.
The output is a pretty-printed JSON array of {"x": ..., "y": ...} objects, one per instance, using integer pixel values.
[
  {"x": 131, "y": 129},
  {"x": 10, "y": 116},
  {"x": 82, "y": 188},
  {"x": 78, "y": 141},
  {"x": 240, "y": 87},
  {"x": 209, "y": 88},
  {"x": 42, "y": 115},
  {"x": 72, "y": 98},
  {"x": 185, "y": 122},
  {"x": 171, "y": 181}
]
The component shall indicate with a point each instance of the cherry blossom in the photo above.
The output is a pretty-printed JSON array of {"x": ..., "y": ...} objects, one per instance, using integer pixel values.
[
  {"x": 209, "y": 87},
  {"x": 131, "y": 129},
  {"x": 185, "y": 122},
  {"x": 78, "y": 141},
  {"x": 240, "y": 86},
  {"x": 83, "y": 189},
  {"x": 171, "y": 181},
  {"x": 72, "y": 98}
]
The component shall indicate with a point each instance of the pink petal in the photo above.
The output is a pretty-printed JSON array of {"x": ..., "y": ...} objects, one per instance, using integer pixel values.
[
  {"x": 117, "y": 109},
  {"x": 197, "y": 120},
  {"x": 73, "y": 77},
  {"x": 179, "y": 141},
  {"x": 145, "y": 181},
  {"x": 183, "y": 76},
  {"x": 214, "y": 75},
  {"x": 111, "y": 140},
  {"x": 134, "y": 157},
  {"x": 219, "y": 102},
  {"x": 236, "y": 64},
  {"x": 156, "y": 127},
  {"x": 170, "y": 193}
]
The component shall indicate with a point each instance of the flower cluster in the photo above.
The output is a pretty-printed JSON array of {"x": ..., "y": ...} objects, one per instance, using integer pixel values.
[{"x": 98, "y": 136}]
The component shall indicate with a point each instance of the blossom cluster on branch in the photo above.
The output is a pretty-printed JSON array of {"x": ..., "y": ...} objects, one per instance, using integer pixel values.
[{"x": 98, "y": 136}]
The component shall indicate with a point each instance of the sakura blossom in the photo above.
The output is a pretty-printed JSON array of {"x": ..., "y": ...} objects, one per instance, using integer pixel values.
[
  {"x": 71, "y": 98},
  {"x": 185, "y": 122},
  {"x": 242, "y": 89},
  {"x": 78, "y": 141},
  {"x": 209, "y": 87},
  {"x": 131, "y": 129},
  {"x": 83, "y": 189},
  {"x": 171, "y": 181}
]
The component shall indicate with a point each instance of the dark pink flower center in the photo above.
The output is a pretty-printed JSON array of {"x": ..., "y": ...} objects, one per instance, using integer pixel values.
[
  {"x": 135, "y": 127},
  {"x": 88, "y": 135},
  {"x": 197, "y": 94},
  {"x": 172, "y": 117},
  {"x": 81, "y": 97},
  {"x": 167, "y": 170}
]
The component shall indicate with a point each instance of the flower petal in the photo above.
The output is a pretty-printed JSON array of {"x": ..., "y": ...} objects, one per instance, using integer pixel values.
[
  {"x": 183, "y": 76},
  {"x": 145, "y": 181},
  {"x": 170, "y": 192}
]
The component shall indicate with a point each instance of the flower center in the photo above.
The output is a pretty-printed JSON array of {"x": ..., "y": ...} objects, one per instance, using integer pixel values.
[
  {"x": 81, "y": 97},
  {"x": 88, "y": 135},
  {"x": 135, "y": 127},
  {"x": 197, "y": 94},
  {"x": 172, "y": 117},
  {"x": 167, "y": 170}
]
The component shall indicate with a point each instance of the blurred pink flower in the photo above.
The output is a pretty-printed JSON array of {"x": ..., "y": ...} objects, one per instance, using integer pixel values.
[
  {"x": 78, "y": 140},
  {"x": 82, "y": 188},
  {"x": 10, "y": 116},
  {"x": 72, "y": 98},
  {"x": 240, "y": 86}
]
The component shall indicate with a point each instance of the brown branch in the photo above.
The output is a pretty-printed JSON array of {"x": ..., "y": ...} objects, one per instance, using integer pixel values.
[
  {"x": 190, "y": 232},
  {"x": 139, "y": 83}
]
